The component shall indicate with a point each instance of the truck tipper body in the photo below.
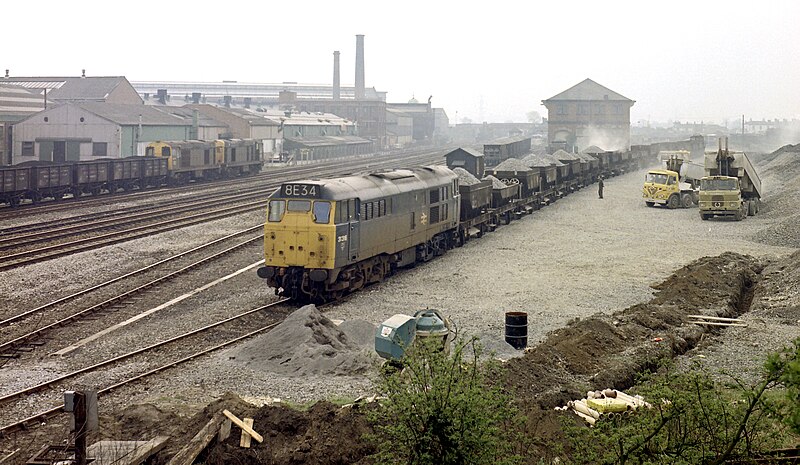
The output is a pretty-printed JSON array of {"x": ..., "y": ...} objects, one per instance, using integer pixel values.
[{"x": 731, "y": 186}]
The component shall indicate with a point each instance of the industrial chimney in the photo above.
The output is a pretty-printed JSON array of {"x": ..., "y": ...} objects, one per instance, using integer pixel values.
[
  {"x": 336, "y": 83},
  {"x": 360, "y": 92}
]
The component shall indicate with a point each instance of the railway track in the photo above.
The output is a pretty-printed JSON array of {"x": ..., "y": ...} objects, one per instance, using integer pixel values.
[
  {"x": 18, "y": 246},
  {"x": 24, "y": 337},
  {"x": 178, "y": 360},
  {"x": 71, "y": 204}
]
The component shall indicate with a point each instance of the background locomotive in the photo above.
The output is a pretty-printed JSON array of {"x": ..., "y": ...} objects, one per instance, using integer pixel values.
[{"x": 166, "y": 163}]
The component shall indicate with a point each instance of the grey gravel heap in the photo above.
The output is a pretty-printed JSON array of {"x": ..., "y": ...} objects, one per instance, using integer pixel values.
[
  {"x": 306, "y": 343},
  {"x": 465, "y": 178},
  {"x": 512, "y": 164},
  {"x": 496, "y": 183}
]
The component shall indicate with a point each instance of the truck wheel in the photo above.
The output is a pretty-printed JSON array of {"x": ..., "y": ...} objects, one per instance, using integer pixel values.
[
  {"x": 740, "y": 214},
  {"x": 649, "y": 204},
  {"x": 686, "y": 200},
  {"x": 704, "y": 217},
  {"x": 673, "y": 202},
  {"x": 751, "y": 208},
  {"x": 695, "y": 198}
]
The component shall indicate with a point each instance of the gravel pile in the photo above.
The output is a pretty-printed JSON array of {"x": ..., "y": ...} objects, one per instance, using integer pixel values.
[
  {"x": 561, "y": 154},
  {"x": 593, "y": 149},
  {"x": 306, "y": 343},
  {"x": 536, "y": 161},
  {"x": 512, "y": 164},
  {"x": 496, "y": 183},
  {"x": 465, "y": 178}
]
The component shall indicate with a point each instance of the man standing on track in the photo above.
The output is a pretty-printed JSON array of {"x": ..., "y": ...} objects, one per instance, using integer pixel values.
[{"x": 600, "y": 186}]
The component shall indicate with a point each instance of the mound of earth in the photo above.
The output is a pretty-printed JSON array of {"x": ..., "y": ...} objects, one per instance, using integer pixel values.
[
  {"x": 324, "y": 435},
  {"x": 305, "y": 343}
]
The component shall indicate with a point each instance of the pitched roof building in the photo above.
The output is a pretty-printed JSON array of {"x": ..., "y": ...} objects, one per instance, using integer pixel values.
[
  {"x": 110, "y": 89},
  {"x": 16, "y": 104},
  {"x": 588, "y": 114}
]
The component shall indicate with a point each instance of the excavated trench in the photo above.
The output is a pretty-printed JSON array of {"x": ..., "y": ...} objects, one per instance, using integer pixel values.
[{"x": 611, "y": 350}]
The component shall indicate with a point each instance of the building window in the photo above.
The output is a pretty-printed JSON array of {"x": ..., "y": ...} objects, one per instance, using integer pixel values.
[
  {"x": 617, "y": 109},
  {"x": 599, "y": 109},
  {"x": 583, "y": 109},
  {"x": 100, "y": 149},
  {"x": 27, "y": 149}
]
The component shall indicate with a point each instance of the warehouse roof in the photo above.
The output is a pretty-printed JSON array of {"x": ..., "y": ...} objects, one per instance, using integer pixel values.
[
  {"x": 187, "y": 113},
  {"x": 129, "y": 114},
  {"x": 18, "y": 101},
  {"x": 70, "y": 88},
  {"x": 588, "y": 90},
  {"x": 323, "y": 141}
]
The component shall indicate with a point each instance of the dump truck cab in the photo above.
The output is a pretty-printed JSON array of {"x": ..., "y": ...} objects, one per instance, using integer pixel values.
[
  {"x": 675, "y": 184},
  {"x": 721, "y": 196}
]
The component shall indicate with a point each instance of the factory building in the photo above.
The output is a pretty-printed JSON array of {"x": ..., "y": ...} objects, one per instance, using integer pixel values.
[
  {"x": 16, "y": 104},
  {"x": 588, "y": 114}
]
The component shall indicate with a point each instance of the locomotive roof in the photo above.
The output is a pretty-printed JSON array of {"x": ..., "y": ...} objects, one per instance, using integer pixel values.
[{"x": 377, "y": 185}]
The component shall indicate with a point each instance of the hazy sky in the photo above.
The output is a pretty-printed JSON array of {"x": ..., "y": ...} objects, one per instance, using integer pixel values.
[{"x": 493, "y": 61}]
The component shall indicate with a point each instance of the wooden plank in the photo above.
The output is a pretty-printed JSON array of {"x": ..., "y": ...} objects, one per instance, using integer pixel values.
[
  {"x": 717, "y": 318},
  {"x": 125, "y": 452},
  {"x": 711, "y": 323},
  {"x": 242, "y": 425},
  {"x": 244, "y": 441},
  {"x": 199, "y": 442}
]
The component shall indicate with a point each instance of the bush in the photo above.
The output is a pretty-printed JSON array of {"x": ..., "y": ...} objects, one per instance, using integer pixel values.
[
  {"x": 439, "y": 410},
  {"x": 695, "y": 420}
]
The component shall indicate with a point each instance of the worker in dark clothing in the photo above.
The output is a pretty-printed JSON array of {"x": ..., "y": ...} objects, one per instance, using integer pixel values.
[{"x": 600, "y": 186}]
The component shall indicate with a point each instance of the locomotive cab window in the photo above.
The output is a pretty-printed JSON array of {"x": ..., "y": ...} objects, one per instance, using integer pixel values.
[
  {"x": 150, "y": 152},
  {"x": 165, "y": 152},
  {"x": 299, "y": 206},
  {"x": 276, "y": 210},
  {"x": 322, "y": 212}
]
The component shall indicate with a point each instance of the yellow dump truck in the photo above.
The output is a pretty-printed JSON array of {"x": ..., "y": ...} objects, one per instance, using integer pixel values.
[
  {"x": 675, "y": 184},
  {"x": 731, "y": 187}
]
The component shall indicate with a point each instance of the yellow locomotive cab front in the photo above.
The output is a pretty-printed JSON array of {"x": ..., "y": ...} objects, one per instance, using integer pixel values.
[{"x": 300, "y": 233}]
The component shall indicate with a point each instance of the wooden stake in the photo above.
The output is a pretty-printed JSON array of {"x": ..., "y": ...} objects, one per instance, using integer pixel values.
[
  {"x": 244, "y": 441},
  {"x": 245, "y": 427}
]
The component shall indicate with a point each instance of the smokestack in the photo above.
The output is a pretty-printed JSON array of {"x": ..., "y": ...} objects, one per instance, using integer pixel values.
[
  {"x": 360, "y": 92},
  {"x": 336, "y": 83},
  {"x": 83, "y": 73}
]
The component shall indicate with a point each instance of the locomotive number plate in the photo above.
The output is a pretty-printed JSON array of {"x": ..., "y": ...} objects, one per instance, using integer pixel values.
[{"x": 300, "y": 190}]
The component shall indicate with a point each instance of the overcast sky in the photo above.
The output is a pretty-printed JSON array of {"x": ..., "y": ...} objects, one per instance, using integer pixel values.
[{"x": 488, "y": 61}]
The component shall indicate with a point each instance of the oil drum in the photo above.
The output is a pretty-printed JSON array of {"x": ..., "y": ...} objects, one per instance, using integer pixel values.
[{"x": 517, "y": 329}]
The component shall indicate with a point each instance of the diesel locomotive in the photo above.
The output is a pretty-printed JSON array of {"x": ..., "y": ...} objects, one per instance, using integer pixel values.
[{"x": 324, "y": 238}]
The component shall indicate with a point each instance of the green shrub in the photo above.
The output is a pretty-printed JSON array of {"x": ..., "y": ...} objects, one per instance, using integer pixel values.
[{"x": 439, "y": 410}]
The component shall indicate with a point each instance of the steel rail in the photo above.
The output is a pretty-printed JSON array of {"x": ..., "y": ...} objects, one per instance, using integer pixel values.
[
  {"x": 38, "y": 332},
  {"x": 83, "y": 292},
  {"x": 22, "y": 424}
]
